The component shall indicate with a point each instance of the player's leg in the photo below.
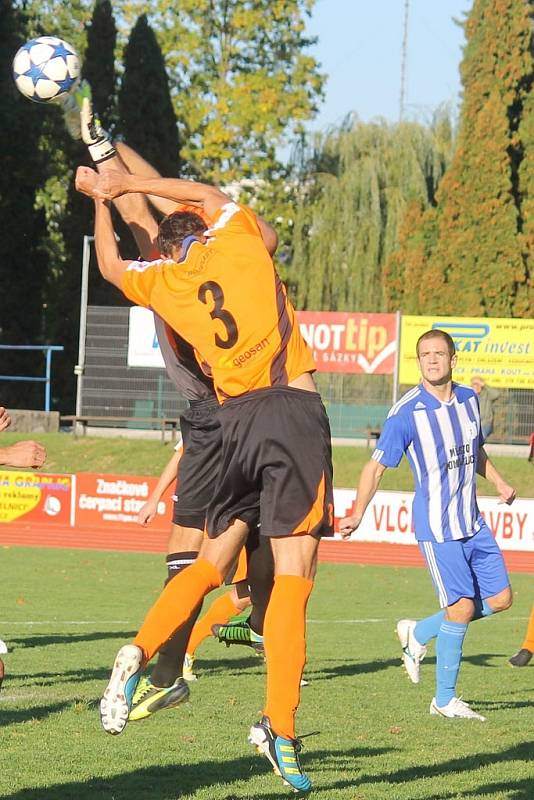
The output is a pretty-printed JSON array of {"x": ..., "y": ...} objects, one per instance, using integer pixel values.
[
  {"x": 196, "y": 476},
  {"x": 223, "y": 608},
  {"x": 137, "y": 165},
  {"x": 450, "y": 566},
  {"x": 295, "y": 560},
  {"x": 414, "y": 636},
  {"x": 165, "y": 687},
  {"x": 171, "y": 610},
  {"x": 3, "y": 649},
  {"x": 260, "y": 576},
  {"x": 526, "y": 651},
  {"x": 296, "y": 509}
]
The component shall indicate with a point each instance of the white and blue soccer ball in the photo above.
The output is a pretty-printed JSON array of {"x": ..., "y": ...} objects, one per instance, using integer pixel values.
[{"x": 46, "y": 69}]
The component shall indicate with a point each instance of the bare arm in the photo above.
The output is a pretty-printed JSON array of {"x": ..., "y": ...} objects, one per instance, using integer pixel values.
[
  {"x": 110, "y": 263},
  {"x": 5, "y": 419},
  {"x": 488, "y": 471},
  {"x": 369, "y": 482},
  {"x": 137, "y": 165},
  {"x": 148, "y": 511},
  {"x": 113, "y": 184},
  {"x": 23, "y": 454}
]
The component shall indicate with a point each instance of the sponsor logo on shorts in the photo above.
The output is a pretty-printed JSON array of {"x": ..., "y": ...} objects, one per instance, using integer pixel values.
[{"x": 242, "y": 358}]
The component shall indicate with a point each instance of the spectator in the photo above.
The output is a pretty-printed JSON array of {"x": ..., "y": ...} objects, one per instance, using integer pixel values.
[{"x": 486, "y": 398}]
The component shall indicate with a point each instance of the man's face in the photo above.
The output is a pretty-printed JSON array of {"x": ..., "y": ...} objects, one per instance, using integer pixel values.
[{"x": 435, "y": 361}]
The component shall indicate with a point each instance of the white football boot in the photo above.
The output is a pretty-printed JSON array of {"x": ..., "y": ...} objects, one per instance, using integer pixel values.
[
  {"x": 455, "y": 708},
  {"x": 412, "y": 652},
  {"x": 116, "y": 703}
]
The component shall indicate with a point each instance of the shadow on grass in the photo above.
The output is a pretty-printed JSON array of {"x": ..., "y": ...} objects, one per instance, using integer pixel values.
[
  {"x": 62, "y": 676},
  {"x": 162, "y": 783},
  {"x": 512, "y": 790},
  {"x": 521, "y": 752},
  {"x": 18, "y": 715},
  {"x": 349, "y": 668},
  {"x": 66, "y": 638}
]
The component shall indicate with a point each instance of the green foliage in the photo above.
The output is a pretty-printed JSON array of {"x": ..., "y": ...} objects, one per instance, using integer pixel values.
[
  {"x": 242, "y": 81},
  {"x": 361, "y": 178},
  {"x": 473, "y": 254},
  {"x": 146, "y": 115},
  {"x": 24, "y": 260},
  {"x": 99, "y": 63}
]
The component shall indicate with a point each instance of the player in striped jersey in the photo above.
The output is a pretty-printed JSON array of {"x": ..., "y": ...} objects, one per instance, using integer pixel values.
[{"x": 437, "y": 426}]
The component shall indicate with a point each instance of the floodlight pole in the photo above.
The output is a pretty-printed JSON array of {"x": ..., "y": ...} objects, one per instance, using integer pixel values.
[
  {"x": 403, "y": 60},
  {"x": 79, "y": 369}
]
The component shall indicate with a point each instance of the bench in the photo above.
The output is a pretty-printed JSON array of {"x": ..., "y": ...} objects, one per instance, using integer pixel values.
[{"x": 164, "y": 423}]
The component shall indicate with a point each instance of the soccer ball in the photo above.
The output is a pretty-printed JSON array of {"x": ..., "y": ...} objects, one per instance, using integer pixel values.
[{"x": 46, "y": 69}]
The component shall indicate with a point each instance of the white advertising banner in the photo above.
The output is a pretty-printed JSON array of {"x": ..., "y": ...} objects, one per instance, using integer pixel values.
[
  {"x": 143, "y": 347},
  {"x": 389, "y": 519}
]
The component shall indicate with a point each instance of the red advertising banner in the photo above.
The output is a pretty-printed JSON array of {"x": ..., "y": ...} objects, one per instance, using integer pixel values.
[
  {"x": 36, "y": 497},
  {"x": 351, "y": 342},
  {"x": 115, "y": 500}
]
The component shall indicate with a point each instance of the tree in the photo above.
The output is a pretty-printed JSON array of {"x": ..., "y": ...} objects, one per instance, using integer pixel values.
[
  {"x": 146, "y": 114},
  {"x": 361, "y": 178},
  {"x": 24, "y": 260},
  {"x": 99, "y": 63},
  {"x": 242, "y": 82},
  {"x": 477, "y": 248}
]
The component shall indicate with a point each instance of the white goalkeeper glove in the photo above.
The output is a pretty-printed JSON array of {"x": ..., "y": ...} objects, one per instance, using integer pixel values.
[{"x": 95, "y": 137}]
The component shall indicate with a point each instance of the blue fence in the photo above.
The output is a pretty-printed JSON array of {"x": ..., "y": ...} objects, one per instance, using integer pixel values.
[{"x": 47, "y": 349}]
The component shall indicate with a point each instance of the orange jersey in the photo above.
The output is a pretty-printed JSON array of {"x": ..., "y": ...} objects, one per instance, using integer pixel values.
[{"x": 226, "y": 299}]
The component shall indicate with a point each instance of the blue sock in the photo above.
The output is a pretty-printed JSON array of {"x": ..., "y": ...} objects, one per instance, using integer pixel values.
[
  {"x": 448, "y": 657},
  {"x": 482, "y": 609},
  {"x": 428, "y": 628}
]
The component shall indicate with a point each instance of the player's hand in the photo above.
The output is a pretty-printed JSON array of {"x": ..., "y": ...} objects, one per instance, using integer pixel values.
[
  {"x": 506, "y": 493},
  {"x": 147, "y": 512},
  {"x": 85, "y": 181},
  {"x": 111, "y": 184},
  {"x": 348, "y": 525},
  {"x": 23, "y": 454},
  {"x": 5, "y": 419}
]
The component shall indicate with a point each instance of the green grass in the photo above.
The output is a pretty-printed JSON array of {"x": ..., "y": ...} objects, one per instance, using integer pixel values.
[
  {"x": 64, "y": 614},
  {"x": 148, "y": 457}
]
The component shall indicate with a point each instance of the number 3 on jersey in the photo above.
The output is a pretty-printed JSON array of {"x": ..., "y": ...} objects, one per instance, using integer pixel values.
[{"x": 220, "y": 313}]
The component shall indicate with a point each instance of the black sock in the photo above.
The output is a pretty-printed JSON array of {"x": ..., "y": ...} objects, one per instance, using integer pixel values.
[{"x": 260, "y": 579}]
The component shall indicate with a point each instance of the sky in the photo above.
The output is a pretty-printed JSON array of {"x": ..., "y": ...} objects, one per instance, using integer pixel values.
[{"x": 360, "y": 48}]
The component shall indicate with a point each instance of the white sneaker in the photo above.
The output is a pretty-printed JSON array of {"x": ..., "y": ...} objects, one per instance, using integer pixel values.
[
  {"x": 187, "y": 670},
  {"x": 412, "y": 652},
  {"x": 455, "y": 708},
  {"x": 3, "y": 647},
  {"x": 116, "y": 703}
]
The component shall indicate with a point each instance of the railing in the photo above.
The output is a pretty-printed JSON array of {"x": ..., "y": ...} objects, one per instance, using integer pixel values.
[{"x": 48, "y": 349}]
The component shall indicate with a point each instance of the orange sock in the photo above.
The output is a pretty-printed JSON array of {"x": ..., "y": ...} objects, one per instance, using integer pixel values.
[
  {"x": 175, "y": 605},
  {"x": 285, "y": 650},
  {"x": 528, "y": 644},
  {"x": 218, "y": 613}
]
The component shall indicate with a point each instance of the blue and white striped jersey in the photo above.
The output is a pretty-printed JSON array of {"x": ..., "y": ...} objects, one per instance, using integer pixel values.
[{"x": 441, "y": 442}]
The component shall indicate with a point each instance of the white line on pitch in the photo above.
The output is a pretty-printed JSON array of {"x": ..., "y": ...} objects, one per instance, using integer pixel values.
[{"x": 129, "y": 622}]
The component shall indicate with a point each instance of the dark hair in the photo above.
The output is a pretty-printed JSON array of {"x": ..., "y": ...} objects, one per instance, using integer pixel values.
[
  {"x": 176, "y": 227},
  {"x": 432, "y": 334}
]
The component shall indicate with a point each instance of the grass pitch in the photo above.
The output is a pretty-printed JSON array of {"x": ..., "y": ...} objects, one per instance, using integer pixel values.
[
  {"x": 64, "y": 614},
  {"x": 125, "y": 456}
]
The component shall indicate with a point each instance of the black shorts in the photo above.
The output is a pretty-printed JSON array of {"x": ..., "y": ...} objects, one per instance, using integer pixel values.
[
  {"x": 277, "y": 455},
  {"x": 198, "y": 468}
]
